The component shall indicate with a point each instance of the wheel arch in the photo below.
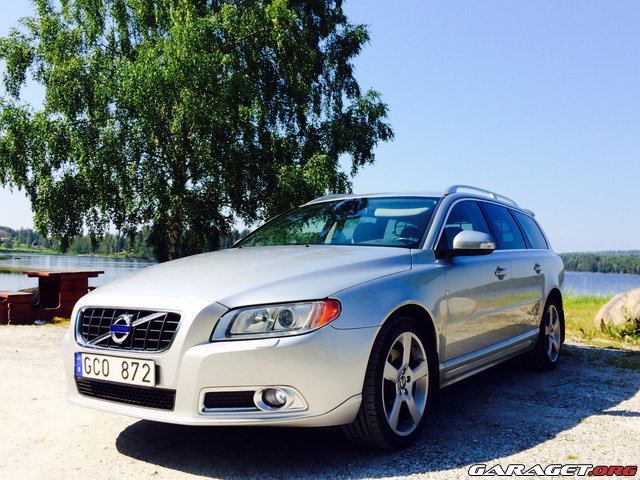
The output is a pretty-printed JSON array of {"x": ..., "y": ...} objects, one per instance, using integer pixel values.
[
  {"x": 556, "y": 295},
  {"x": 425, "y": 319}
]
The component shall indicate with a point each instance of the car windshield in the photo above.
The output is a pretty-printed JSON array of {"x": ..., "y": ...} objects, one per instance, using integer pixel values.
[{"x": 379, "y": 221}]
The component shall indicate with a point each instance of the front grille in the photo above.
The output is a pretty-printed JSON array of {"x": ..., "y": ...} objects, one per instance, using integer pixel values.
[
  {"x": 128, "y": 394},
  {"x": 150, "y": 336},
  {"x": 229, "y": 400}
]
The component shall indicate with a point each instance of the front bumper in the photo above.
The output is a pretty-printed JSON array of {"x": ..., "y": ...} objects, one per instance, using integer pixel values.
[{"x": 325, "y": 368}]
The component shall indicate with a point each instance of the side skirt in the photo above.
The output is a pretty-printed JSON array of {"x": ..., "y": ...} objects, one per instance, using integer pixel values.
[{"x": 464, "y": 366}]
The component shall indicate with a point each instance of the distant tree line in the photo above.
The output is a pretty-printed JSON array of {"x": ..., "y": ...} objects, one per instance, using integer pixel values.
[
  {"x": 603, "y": 262},
  {"x": 134, "y": 244},
  {"x": 21, "y": 238}
]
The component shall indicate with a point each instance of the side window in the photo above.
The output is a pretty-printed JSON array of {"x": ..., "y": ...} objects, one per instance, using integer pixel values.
[
  {"x": 463, "y": 216},
  {"x": 533, "y": 234},
  {"x": 504, "y": 228}
]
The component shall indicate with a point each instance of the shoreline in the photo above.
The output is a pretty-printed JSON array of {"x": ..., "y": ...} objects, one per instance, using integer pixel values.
[{"x": 9, "y": 254}]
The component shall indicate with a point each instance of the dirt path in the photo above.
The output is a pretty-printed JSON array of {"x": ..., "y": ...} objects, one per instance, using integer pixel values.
[{"x": 584, "y": 412}]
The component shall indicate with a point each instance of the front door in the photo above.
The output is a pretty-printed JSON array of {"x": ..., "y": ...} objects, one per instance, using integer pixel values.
[{"x": 479, "y": 288}]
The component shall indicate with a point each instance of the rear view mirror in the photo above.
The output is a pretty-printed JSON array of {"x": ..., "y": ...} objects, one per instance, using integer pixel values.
[{"x": 468, "y": 243}]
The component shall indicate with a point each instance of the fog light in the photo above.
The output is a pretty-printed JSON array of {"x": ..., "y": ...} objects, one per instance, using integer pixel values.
[{"x": 274, "y": 398}]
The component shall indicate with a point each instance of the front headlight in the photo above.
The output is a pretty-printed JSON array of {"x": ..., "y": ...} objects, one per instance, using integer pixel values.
[{"x": 275, "y": 320}]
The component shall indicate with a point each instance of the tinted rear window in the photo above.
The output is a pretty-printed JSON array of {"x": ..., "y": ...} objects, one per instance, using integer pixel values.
[{"x": 532, "y": 232}]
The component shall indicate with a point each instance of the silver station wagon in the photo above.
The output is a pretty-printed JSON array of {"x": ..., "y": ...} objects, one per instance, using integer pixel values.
[{"x": 351, "y": 310}]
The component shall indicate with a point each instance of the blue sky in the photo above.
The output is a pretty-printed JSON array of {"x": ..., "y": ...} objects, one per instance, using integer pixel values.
[{"x": 538, "y": 100}]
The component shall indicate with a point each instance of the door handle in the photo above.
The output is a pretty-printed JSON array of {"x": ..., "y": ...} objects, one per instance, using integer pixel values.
[
  {"x": 537, "y": 267},
  {"x": 501, "y": 272}
]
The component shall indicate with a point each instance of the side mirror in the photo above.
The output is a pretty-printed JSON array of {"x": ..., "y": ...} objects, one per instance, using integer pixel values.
[{"x": 469, "y": 243}]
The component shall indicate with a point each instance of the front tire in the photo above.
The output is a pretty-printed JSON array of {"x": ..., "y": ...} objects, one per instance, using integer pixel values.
[
  {"x": 546, "y": 352},
  {"x": 398, "y": 388}
]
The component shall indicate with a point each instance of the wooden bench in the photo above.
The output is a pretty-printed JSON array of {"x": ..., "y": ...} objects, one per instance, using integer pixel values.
[{"x": 14, "y": 305}]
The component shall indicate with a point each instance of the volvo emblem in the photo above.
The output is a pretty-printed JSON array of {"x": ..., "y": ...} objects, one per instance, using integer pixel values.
[{"x": 121, "y": 327}]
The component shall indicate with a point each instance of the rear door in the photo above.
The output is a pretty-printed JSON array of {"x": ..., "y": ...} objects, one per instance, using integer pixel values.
[
  {"x": 531, "y": 266},
  {"x": 526, "y": 285}
]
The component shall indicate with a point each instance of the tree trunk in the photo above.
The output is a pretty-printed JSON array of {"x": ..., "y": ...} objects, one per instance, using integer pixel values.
[{"x": 175, "y": 236}]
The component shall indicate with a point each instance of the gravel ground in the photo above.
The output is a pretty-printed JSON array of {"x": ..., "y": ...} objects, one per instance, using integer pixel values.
[{"x": 584, "y": 412}]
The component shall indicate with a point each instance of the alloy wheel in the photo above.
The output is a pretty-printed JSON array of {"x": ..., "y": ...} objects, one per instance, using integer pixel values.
[
  {"x": 552, "y": 332},
  {"x": 405, "y": 383}
]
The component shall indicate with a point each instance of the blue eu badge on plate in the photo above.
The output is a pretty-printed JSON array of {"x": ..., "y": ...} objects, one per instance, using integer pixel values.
[{"x": 78, "y": 365}]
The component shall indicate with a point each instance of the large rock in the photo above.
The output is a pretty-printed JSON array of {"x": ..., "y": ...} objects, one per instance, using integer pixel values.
[{"x": 620, "y": 309}]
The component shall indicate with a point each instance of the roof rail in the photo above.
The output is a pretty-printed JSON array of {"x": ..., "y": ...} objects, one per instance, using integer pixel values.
[
  {"x": 326, "y": 197},
  {"x": 497, "y": 196}
]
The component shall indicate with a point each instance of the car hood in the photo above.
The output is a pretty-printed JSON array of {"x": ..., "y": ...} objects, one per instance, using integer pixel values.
[{"x": 255, "y": 275}]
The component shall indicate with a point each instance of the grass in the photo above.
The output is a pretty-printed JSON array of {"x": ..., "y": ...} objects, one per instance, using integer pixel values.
[
  {"x": 50, "y": 251},
  {"x": 580, "y": 312},
  {"x": 61, "y": 321},
  {"x": 12, "y": 269},
  {"x": 9, "y": 269},
  {"x": 36, "y": 249}
]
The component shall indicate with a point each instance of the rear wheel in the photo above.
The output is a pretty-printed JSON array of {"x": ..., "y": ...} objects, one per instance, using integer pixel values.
[
  {"x": 546, "y": 352},
  {"x": 398, "y": 387}
]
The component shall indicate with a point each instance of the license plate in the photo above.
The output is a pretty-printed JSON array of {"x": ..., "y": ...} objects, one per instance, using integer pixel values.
[{"x": 131, "y": 371}]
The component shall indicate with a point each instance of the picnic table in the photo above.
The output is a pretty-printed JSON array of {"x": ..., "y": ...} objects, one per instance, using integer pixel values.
[
  {"x": 17, "y": 302},
  {"x": 58, "y": 292}
]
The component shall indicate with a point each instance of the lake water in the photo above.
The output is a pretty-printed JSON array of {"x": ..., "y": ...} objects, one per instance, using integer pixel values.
[
  {"x": 603, "y": 284},
  {"x": 113, "y": 268},
  {"x": 579, "y": 283}
]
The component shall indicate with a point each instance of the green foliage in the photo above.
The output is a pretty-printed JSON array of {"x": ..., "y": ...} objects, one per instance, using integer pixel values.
[
  {"x": 629, "y": 331},
  {"x": 603, "y": 262},
  {"x": 132, "y": 245},
  {"x": 21, "y": 238},
  {"x": 182, "y": 115},
  {"x": 11, "y": 269},
  {"x": 25, "y": 240},
  {"x": 580, "y": 312},
  {"x": 138, "y": 245}
]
